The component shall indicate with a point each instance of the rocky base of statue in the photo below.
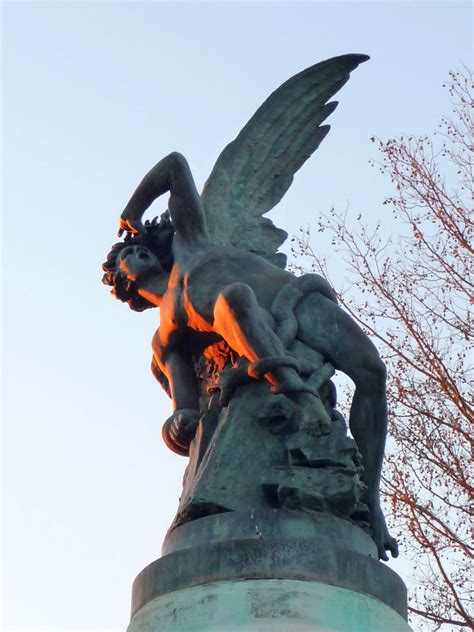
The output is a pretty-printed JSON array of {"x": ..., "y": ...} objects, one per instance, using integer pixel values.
[
  {"x": 273, "y": 537},
  {"x": 261, "y": 451},
  {"x": 272, "y": 531},
  {"x": 268, "y": 570},
  {"x": 270, "y": 537}
]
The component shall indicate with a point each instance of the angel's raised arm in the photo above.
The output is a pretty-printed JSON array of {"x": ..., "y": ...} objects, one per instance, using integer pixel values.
[{"x": 170, "y": 174}]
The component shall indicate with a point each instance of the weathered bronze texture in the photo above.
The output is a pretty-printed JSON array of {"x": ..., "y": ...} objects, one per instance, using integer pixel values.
[{"x": 245, "y": 349}]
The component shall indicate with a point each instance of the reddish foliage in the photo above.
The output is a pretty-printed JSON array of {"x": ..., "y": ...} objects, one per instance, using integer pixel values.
[{"x": 413, "y": 293}]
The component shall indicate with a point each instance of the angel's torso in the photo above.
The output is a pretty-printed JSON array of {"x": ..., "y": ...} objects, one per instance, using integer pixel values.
[{"x": 198, "y": 277}]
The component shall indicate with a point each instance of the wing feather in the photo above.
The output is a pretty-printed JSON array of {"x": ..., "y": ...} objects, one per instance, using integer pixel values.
[{"x": 255, "y": 170}]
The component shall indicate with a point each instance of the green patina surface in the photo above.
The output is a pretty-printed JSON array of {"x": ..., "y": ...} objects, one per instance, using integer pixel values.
[
  {"x": 279, "y": 503},
  {"x": 265, "y": 605},
  {"x": 267, "y": 557},
  {"x": 243, "y": 459},
  {"x": 270, "y": 524},
  {"x": 245, "y": 349}
]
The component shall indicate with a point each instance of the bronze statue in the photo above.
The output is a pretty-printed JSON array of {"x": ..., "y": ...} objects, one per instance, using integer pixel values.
[{"x": 226, "y": 301}]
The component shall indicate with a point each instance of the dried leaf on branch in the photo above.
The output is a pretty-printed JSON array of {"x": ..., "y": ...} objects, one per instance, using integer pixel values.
[{"x": 414, "y": 293}]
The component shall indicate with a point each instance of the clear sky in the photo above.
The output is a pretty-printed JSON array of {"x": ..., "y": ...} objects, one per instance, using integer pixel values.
[{"x": 94, "y": 93}]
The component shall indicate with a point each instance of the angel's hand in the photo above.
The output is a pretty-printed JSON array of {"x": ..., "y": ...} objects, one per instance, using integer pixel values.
[
  {"x": 184, "y": 425},
  {"x": 179, "y": 430},
  {"x": 131, "y": 225}
]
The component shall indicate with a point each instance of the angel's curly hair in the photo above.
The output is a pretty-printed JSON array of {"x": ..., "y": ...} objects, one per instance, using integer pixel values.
[{"x": 159, "y": 240}]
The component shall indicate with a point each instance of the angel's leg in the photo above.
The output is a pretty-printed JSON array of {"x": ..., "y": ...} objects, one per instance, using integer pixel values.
[
  {"x": 328, "y": 329},
  {"x": 241, "y": 322}
]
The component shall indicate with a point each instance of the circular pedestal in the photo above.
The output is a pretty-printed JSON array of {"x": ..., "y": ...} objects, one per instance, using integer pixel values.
[
  {"x": 268, "y": 570},
  {"x": 265, "y": 605},
  {"x": 270, "y": 524}
]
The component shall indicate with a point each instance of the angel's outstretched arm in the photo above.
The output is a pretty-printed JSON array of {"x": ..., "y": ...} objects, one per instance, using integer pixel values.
[{"x": 170, "y": 174}]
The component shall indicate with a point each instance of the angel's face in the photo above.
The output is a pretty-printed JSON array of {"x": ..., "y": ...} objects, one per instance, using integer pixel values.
[{"x": 138, "y": 262}]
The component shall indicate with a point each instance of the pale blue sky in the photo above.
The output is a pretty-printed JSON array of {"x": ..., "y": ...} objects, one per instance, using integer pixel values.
[{"x": 93, "y": 95}]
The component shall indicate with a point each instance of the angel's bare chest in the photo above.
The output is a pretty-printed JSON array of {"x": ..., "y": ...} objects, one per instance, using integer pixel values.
[
  {"x": 183, "y": 310},
  {"x": 196, "y": 283},
  {"x": 225, "y": 267}
]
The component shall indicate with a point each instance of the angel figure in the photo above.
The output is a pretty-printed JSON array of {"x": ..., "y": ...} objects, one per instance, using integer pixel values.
[{"x": 211, "y": 266}]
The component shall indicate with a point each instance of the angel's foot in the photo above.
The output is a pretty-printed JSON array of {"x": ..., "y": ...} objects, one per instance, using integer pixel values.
[
  {"x": 231, "y": 379},
  {"x": 279, "y": 415},
  {"x": 315, "y": 419},
  {"x": 270, "y": 364},
  {"x": 382, "y": 538}
]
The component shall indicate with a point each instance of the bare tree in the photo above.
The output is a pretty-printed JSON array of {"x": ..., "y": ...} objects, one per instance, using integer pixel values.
[{"x": 413, "y": 293}]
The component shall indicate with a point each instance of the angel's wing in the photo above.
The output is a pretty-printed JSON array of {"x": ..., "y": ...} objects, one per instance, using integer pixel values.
[{"x": 255, "y": 170}]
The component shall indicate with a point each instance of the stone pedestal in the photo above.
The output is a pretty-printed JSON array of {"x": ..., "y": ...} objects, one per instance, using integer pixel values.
[
  {"x": 268, "y": 570},
  {"x": 264, "y": 605}
]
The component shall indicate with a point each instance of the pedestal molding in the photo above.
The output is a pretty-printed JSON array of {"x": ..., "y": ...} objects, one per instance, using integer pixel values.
[{"x": 269, "y": 559}]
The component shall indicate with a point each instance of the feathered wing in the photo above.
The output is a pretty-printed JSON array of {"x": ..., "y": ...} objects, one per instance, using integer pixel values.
[{"x": 255, "y": 170}]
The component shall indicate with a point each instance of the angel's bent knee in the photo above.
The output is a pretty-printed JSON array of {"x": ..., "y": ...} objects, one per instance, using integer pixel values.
[
  {"x": 239, "y": 296},
  {"x": 236, "y": 302}
]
